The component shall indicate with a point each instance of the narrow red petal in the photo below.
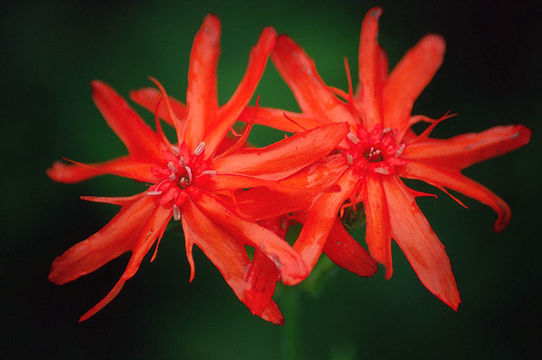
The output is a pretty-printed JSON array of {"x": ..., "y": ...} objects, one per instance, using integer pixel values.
[
  {"x": 409, "y": 78},
  {"x": 189, "y": 245},
  {"x": 346, "y": 252},
  {"x": 201, "y": 97},
  {"x": 419, "y": 243},
  {"x": 320, "y": 175},
  {"x": 230, "y": 111},
  {"x": 151, "y": 230},
  {"x": 236, "y": 182},
  {"x": 262, "y": 203},
  {"x": 126, "y": 167},
  {"x": 378, "y": 233},
  {"x": 261, "y": 280},
  {"x": 454, "y": 180},
  {"x": 228, "y": 255},
  {"x": 286, "y": 259},
  {"x": 314, "y": 97},
  {"x": 114, "y": 239},
  {"x": 121, "y": 201},
  {"x": 370, "y": 76},
  {"x": 106, "y": 300},
  {"x": 285, "y": 157},
  {"x": 138, "y": 137},
  {"x": 149, "y": 98},
  {"x": 468, "y": 149},
  {"x": 280, "y": 119},
  {"x": 320, "y": 219}
]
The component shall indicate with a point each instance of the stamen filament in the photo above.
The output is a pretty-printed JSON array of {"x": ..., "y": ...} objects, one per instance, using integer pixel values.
[
  {"x": 199, "y": 149},
  {"x": 176, "y": 213}
]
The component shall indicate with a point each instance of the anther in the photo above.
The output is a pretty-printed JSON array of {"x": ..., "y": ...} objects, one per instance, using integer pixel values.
[
  {"x": 382, "y": 171},
  {"x": 173, "y": 176},
  {"x": 199, "y": 149},
  {"x": 208, "y": 172},
  {"x": 172, "y": 167},
  {"x": 353, "y": 138},
  {"x": 189, "y": 173},
  {"x": 349, "y": 159},
  {"x": 400, "y": 150},
  {"x": 181, "y": 160},
  {"x": 176, "y": 213},
  {"x": 175, "y": 149},
  {"x": 154, "y": 192}
]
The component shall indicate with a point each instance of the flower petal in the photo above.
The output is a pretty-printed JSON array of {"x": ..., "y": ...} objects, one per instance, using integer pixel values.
[
  {"x": 286, "y": 259},
  {"x": 262, "y": 203},
  {"x": 320, "y": 219},
  {"x": 346, "y": 252},
  {"x": 229, "y": 112},
  {"x": 316, "y": 178},
  {"x": 378, "y": 233},
  {"x": 454, "y": 180},
  {"x": 370, "y": 76},
  {"x": 419, "y": 243},
  {"x": 314, "y": 97},
  {"x": 409, "y": 78},
  {"x": 149, "y": 98},
  {"x": 280, "y": 119},
  {"x": 138, "y": 137},
  {"x": 262, "y": 277},
  {"x": 285, "y": 157},
  {"x": 151, "y": 230},
  {"x": 125, "y": 166},
  {"x": 230, "y": 182},
  {"x": 113, "y": 240},
  {"x": 225, "y": 253},
  {"x": 201, "y": 97},
  {"x": 464, "y": 150}
]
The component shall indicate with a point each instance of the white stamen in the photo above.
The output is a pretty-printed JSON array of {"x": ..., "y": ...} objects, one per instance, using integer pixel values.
[
  {"x": 208, "y": 172},
  {"x": 181, "y": 160},
  {"x": 353, "y": 138},
  {"x": 154, "y": 192},
  {"x": 172, "y": 167},
  {"x": 176, "y": 213},
  {"x": 400, "y": 150},
  {"x": 189, "y": 173},
  {"x": 349, "y": 159},
  {"x": 382, "y": 171},
  {"x": 175, "y": 149},
  {"x": 386, "y": 130},
  {"x": 199, "y": 149},
  {"x": 173, "y": 176},
  {"x": 182, "y": 182}
]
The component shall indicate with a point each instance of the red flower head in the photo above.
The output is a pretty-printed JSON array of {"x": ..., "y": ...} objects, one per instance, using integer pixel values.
[
  {"x": 381, "y": 148},
  {"x": 192, "y": 180}
]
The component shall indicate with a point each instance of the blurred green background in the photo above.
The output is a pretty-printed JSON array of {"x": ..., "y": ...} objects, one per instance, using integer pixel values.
[{"x": 50, "y": 51}]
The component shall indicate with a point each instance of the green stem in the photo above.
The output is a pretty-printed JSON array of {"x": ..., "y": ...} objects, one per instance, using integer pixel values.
[{"x": 291, "y": 333}]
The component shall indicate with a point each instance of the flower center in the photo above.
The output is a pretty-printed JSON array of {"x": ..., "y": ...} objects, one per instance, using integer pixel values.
[
  {"x": 184, "y": 174},
  {"x": 374, "y": 151},
  {"x": 373, "y": 154}
]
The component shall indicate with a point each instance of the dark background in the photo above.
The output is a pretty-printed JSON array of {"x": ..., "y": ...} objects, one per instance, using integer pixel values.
[{"x": 50, "y": 51}]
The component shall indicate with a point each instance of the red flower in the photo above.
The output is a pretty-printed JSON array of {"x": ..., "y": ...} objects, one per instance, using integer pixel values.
[
  {"x": 193, "y": 180},
  {"x": 381, "y": 148}
]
